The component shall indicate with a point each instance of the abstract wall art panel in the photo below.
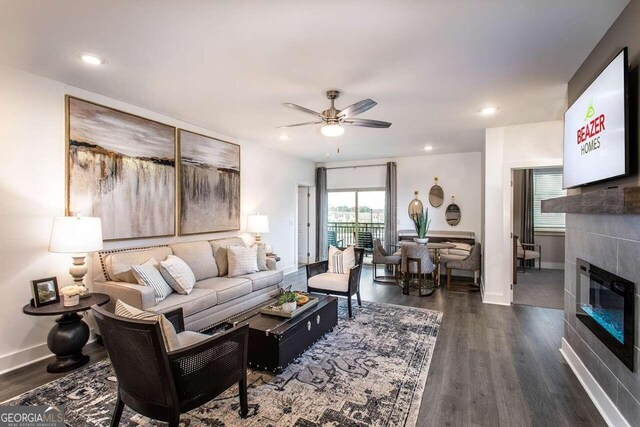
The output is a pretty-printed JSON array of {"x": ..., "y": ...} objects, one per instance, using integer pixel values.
[
  {"x": 209, "y": 184},
  {"x": 121, "y": 168}
]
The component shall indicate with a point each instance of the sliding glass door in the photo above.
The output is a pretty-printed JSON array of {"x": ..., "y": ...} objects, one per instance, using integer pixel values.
[{"x": 356, "y": 217}]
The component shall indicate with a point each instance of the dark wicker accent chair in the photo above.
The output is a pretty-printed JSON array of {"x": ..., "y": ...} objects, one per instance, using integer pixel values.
[
  {"x": 326, "y": 283},
  {"x": 365, "y": 241},
  {"x": 332, "y": 239},
  {"x": 162, "y": 385}
]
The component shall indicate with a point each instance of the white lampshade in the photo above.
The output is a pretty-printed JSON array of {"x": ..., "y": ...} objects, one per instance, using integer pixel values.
[
  {"x": 258, "y": 224},
  {"x": 76, "y": 235}
]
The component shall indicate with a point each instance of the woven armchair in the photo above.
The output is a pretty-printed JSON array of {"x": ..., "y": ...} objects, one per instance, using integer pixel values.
[
  {"x": 344, "y": 285},
  {"x": 162, "y": 385}
]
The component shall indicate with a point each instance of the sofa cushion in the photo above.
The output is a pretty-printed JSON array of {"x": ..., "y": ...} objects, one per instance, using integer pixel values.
[
  {"x": 226, "y": 288},
  {"x": 330, "y": 281},
  {"x": 119, "y": 264},
  {"x": 196, "y": 301},
  {"x": 264, "y": 279},
  {"x": 220, "y": 252},
  {"x": 169, "y": 336},
  {"x": 198, "y": 256}
]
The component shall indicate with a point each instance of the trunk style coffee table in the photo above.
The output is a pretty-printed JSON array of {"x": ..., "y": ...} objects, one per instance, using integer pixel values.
[{"x": 274, "y": 341}]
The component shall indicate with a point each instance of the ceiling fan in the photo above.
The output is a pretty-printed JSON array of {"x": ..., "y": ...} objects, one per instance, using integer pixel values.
[{"x": 333, "y": 119}]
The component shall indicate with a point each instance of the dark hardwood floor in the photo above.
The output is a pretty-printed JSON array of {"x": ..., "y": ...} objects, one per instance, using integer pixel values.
[{"x": 492, "y": 365}]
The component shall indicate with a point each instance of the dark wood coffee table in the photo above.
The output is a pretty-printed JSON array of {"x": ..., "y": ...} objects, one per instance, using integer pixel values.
[{"x": 274, "y": 342}]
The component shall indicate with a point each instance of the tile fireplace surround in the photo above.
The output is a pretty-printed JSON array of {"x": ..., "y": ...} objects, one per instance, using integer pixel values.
[{"x": 611, "y": 242}]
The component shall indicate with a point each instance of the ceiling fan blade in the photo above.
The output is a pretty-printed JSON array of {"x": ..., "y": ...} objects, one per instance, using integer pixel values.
[
  {"x": 357, "y": 108},
  {"x": 367, "y": 123},
  {"x": 299, "y": 124},
  {"x": 304, "y": 110}
]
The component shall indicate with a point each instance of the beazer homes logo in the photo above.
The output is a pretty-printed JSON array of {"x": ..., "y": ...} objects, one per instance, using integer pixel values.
[{"x": 589, "y": 134}]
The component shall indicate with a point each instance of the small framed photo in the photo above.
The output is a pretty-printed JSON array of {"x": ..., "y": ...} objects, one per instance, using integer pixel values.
[{"x": 45, "y": 291}]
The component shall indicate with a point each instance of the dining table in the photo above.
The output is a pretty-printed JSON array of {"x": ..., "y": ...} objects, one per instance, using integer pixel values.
[{"x": 435, "y": 246}]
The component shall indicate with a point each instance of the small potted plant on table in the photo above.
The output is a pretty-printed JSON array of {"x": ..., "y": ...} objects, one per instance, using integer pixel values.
[{"x": 288, "y": 301}]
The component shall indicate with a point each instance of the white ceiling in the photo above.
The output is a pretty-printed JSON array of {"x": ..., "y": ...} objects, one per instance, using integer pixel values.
[{"x": 229, "y": 65}]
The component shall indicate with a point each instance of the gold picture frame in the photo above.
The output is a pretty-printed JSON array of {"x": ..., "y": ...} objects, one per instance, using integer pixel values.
[
  {"x": 213, "y": 159},
  {"x": 94, "y": 143}
]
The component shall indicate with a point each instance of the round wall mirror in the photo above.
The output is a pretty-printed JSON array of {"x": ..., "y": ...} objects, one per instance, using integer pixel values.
[
  {"x": 436, "y": 195},
  {"x": 453, "y": 214},
  {"x": 415, "y": 207}
]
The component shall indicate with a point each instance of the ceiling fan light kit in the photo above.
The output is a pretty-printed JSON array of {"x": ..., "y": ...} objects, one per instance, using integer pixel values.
[
  {"x": 334, "y": 119},
  {"x": 332, "y": 129}
]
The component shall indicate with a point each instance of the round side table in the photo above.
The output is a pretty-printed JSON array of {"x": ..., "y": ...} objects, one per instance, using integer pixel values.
[{"x": 69, "y": 335}]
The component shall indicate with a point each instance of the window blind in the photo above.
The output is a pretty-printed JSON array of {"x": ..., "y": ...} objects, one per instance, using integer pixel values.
[{"x": 547, "y": 184}]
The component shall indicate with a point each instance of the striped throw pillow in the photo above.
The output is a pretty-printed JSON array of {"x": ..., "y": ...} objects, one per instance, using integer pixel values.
[
  {"x": 148, "y": 274},
  {"x": 341, "y": 261},
  {"x": 178, "y": 274},
  {"x": 168, "y": 331}
]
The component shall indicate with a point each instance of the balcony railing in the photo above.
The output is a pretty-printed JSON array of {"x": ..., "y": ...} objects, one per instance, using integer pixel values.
[{"x": 345, "y": 231}]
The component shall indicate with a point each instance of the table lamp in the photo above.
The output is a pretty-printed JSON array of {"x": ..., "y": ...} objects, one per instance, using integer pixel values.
[
  {"x": 77, "y": 236},
  {"x": 258, "y": 224}
]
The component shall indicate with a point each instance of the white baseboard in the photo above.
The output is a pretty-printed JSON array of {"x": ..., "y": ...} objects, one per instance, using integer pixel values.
[
  {"x": 552, "y": 265},
  {"x": 488, "y": 298},
  {"x": 290, "y": 269},
  {"x": 603, "y": 403},
  {"x": 27, "y": 356},
  {"x": 24, "y": 357}
]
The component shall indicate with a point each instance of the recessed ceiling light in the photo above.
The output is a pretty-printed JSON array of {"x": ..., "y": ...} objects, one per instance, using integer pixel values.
[
  {"x": 284, "y": 137},
  {"x": 488, "y": 111},
  {"x": 428, "y": 148},
  {"x": 91, "y": 59}
]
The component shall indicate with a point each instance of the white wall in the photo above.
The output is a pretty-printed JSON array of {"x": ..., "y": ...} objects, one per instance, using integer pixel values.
[
  {"x": 459, "y": 174},
  {"x": 32, "y": 193},
  {"x": 506, "y": 148}
]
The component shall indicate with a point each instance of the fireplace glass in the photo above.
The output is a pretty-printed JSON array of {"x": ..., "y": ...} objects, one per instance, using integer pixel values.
[{"x": 605, "y": 304}]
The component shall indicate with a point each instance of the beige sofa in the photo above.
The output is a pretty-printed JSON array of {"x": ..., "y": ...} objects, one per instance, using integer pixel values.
[{"x": 215, "y": 296}]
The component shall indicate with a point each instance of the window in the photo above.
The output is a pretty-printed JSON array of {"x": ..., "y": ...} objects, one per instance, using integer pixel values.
[
  {"x": 343, "y": 222},
  {"x": 547, "y": 184}
]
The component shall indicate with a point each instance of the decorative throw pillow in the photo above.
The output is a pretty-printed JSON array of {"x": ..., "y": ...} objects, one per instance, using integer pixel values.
[
  {"x": 262, "y": 257},
  {"x": 168, "y": 331},
  {"x": 147, "y": 274},
  {"x": 220, "y": 252},
  {"x": 178, "y": 274},
  {"x": 341, "y": 261},
  {"x": 242, "y": 260}
]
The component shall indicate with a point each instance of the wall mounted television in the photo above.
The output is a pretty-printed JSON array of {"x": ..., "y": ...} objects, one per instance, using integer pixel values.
[{"x": 596, "y": 132}]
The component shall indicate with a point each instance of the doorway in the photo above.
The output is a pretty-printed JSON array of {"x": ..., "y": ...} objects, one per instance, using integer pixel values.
[
  {"x": 538, "y": 238},
  {"x": 305, "y": 229}
]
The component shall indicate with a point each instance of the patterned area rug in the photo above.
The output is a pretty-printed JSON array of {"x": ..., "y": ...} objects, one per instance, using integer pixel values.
[{"x": 369, "y": 371}]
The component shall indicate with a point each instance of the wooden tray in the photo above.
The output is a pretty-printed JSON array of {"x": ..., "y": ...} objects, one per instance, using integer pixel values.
[{"x": 272, "y": 309}]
